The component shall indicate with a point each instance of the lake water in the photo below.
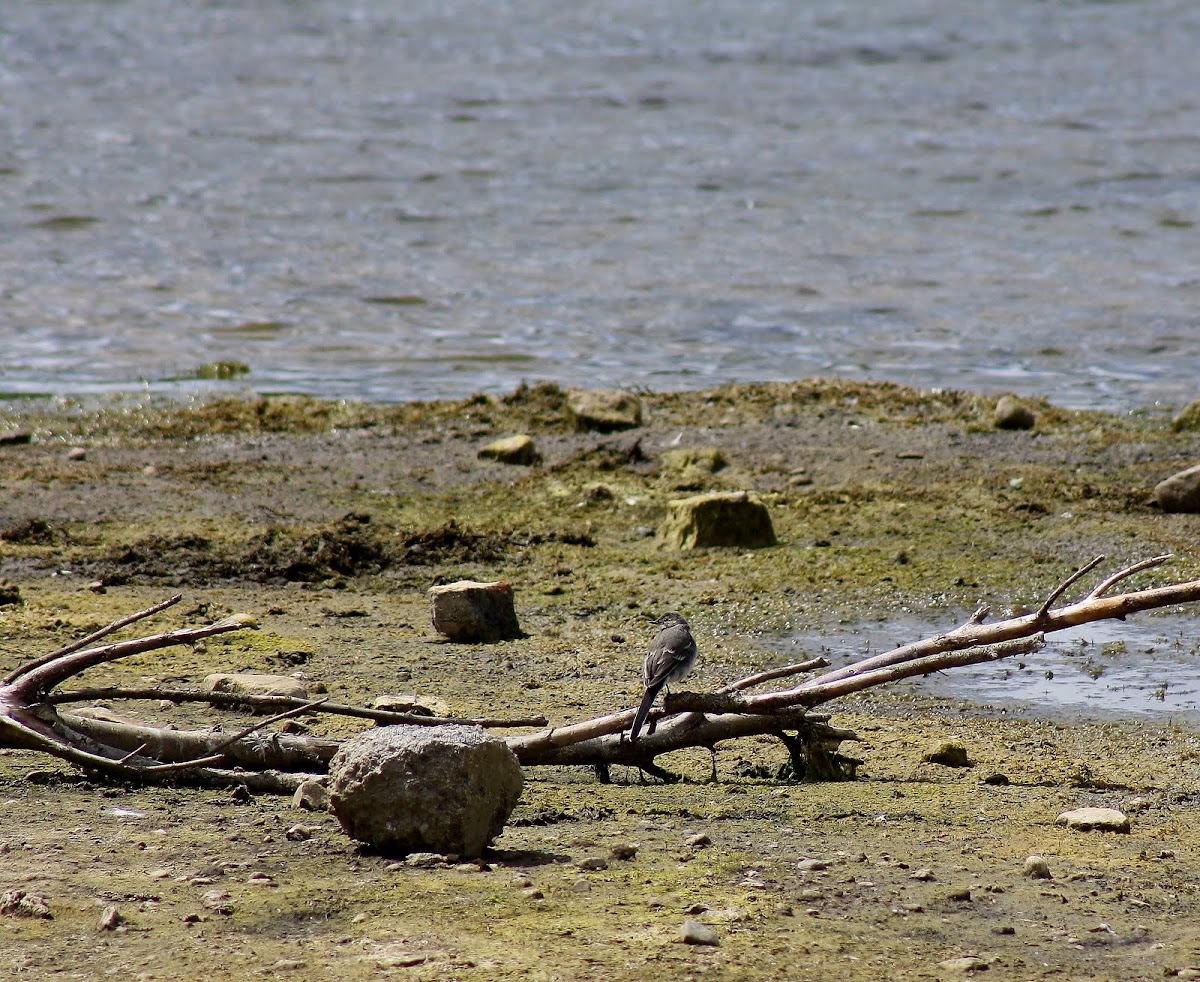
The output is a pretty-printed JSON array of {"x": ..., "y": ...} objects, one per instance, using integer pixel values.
[{"x": 393, "y": 200}]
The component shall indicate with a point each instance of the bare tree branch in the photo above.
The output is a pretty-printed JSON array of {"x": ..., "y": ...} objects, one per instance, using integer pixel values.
[
  {"x": 776, "y": 673},
  {"x": 1062, "y": 587},
  {"x": 90, "y": 639},
  {"x": 1105, "y": 585}
]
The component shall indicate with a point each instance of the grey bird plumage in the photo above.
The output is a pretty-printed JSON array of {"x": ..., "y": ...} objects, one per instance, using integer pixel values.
[{"x": 670, "y": 658}]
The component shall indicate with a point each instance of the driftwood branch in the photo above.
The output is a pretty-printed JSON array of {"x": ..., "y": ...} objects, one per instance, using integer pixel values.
[
  {"x": 702, "y": 720},
  {"x": 30, "y": 716}
]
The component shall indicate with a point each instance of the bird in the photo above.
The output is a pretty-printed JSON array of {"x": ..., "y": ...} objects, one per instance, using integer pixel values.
[{"x": 670, "y": 658}]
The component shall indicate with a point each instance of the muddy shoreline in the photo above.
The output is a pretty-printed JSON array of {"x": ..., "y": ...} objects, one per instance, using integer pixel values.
[{"x": 329, "y": 521}]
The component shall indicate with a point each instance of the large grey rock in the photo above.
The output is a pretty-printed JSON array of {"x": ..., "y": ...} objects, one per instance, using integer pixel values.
[
  {"x": 604, "y": 410},
  {"x": 722, "y": 518},
  {"x": 1180, "y": 492},
  {"x": 473, "y": 611},
  {"x": 446, "y": 789}
]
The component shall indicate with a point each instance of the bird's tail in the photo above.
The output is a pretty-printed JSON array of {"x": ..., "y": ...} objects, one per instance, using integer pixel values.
[{"x": 643, "y": 711}]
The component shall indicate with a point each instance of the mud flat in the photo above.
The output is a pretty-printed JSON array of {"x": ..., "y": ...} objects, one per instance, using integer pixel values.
[{"x": 329, "y": 522}]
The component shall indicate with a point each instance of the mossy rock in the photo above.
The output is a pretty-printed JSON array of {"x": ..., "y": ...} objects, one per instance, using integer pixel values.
[
  {"x": 706, "y": 459},
  {"x": 722, "y": 518},
  {"x": 1013, "y": 414},
  {"x": 690, "y": 468},
  {"x": 604, "y": 410},
  {"x": 1188, "y": 418},
  {"x": 517, "y": 449}
]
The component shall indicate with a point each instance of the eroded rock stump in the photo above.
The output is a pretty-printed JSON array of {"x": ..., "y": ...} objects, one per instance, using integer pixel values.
[
  {"x": 722, "y": 518},
  {"x": 473, "y": 611}
]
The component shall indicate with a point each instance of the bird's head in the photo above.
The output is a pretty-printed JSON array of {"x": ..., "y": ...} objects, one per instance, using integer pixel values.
[{"x": 666, "y": 620}]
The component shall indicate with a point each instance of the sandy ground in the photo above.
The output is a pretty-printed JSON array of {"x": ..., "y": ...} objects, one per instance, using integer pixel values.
[{"x": 329, "y": 522}]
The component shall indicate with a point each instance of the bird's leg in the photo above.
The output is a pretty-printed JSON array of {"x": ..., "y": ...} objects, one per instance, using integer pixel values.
[{"x": 713, "y": 776}]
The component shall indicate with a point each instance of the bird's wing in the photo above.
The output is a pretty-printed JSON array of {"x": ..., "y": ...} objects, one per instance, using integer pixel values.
[{"x": 670, "y": 649}]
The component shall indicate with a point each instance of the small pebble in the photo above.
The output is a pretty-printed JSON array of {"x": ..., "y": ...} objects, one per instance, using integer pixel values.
[
  {"x": 968, "y": 963},
  {"x": 812, "y": 865},
  {"x": 427, "y": 860},
  {"x": 311, "y": 796},
  {"x": 287, "y": 965},
  {"x": 217, "y": 901},
  {"x": 924, "y": 873},
  {"x": 693, "y": 932},
  {"x": 110, "y": 919},
  {"x": 299, "y": 833}
]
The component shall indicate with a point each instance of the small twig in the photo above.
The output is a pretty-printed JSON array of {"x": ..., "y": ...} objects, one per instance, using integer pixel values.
[
  {"x": 980, "y": 615},
  {"x": 1055, "y": 594},
  {"x": 215, "y": 755},
  {"x": 277, "y": 718},
  {"x": 133, "y": 753},
  {"x": 775, "y": 673},
  {"x": 91, "y": 638},
  {"x": 1105, "y": 585}
]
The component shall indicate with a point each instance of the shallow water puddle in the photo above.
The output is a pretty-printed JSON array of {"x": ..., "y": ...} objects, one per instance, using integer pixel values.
[{"x": 1148, "y": 665}]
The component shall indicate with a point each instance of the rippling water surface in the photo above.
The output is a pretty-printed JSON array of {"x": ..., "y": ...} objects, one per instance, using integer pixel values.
[{"x": 388, "y": 200}]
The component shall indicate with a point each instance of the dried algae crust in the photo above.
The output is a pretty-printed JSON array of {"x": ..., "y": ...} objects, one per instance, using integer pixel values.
[{"x": 329, "y": 521}]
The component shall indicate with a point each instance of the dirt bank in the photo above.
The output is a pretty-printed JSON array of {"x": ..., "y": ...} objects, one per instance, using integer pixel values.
[{"x": 328, "y": 522}]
